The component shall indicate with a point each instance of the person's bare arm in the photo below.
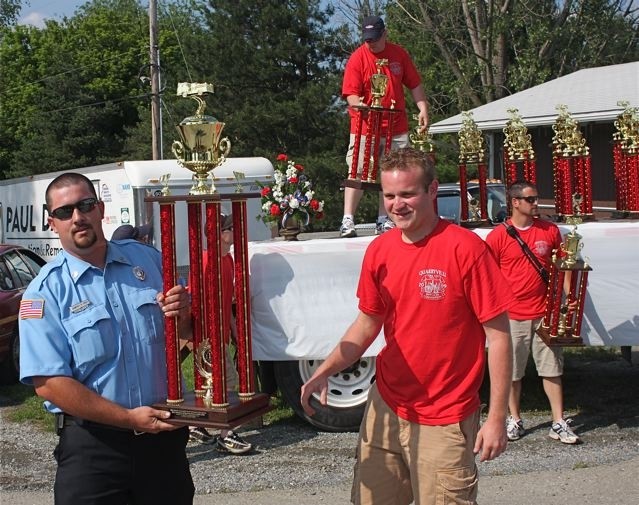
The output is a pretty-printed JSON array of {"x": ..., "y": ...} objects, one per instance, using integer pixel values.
[
  {"x": 349, "y": 349},
  {"x": 491, "y": 439},
  {"x": 354, "y": 100},
  {"x": 419, "y": 95},
  {"x": 77, "y": 400}
]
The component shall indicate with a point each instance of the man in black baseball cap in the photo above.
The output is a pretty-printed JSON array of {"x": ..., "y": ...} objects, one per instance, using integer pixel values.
[{"x": 356, "y": 90}]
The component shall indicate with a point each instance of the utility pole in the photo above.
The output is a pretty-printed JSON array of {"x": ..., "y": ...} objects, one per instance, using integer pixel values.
[{"x": 156, "y": 111}]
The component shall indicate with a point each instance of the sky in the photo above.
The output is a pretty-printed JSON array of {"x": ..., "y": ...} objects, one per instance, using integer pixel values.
[{"x": 34, "y": 12}]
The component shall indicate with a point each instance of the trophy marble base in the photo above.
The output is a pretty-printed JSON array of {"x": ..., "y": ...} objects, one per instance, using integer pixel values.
[
  {"x": 193, "y": 412},
  {"x": 364, "y": 185},
  {"x": 565, "y": 340}
]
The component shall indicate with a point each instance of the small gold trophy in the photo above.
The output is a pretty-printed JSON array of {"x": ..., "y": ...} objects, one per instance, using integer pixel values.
[
  {"x": 379, "y": 83},
  {"x": 421, "y": 139},
  {"x": 201, "y": 147}
]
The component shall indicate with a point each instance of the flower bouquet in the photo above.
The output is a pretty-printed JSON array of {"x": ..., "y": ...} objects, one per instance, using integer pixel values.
[{"x": 290, "y": 197}]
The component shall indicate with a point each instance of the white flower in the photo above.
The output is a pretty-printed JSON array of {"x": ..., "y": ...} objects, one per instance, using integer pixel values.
[
  {"x": 309, "y": 195},
  {"x": 294, "y": 203},
  {"x": 266, "y": 206},
  {"x": 320, "y": 208}
]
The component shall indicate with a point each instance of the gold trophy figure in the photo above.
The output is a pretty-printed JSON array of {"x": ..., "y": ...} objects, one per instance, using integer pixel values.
[
  {"x": 379, "y": 83},
  {"x": 204, "y": 364},
  {"x": 201, "y": 147}
]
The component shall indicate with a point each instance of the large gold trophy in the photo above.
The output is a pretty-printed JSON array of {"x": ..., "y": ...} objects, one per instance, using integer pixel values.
[
  {"x": 201, "y": 149},
  {"x": 472, "y": 152}
]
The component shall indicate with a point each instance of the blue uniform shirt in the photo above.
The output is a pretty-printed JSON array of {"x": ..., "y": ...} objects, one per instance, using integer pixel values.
[{"x": 103, "y": 328}]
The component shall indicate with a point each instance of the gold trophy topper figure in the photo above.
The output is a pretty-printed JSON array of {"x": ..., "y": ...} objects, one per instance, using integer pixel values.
[
  {"x": 239, "y": 176},
  {"x": 164, "y": 181},
  {"x": 201, "y": 147}
]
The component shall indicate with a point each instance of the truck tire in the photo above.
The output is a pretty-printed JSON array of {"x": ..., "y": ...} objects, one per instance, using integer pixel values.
[{"x": 347, "y": 392}]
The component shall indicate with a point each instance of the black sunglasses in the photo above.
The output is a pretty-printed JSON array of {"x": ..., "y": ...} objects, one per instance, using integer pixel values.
[
  {"x": 66, "y": 211},
  {"x": 529, "y": 199}
]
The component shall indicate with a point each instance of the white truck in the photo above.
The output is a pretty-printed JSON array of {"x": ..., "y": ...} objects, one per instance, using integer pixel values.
[{"x": 122, "y": 186}]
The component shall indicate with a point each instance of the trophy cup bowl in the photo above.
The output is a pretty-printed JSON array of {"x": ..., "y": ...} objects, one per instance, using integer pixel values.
[
  {"x": 571, "y": 247},
  {"x": 201, "y": 147},
  {"x": 379, "y": 85}
]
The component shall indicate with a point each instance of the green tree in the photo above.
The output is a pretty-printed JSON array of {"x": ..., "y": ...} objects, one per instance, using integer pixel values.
[
  {"x": 277, "y": 71},
  {"x": 9, "y": 10},
  {"x": 81, "y": 88},
  {"x": 484, "y": 50}
]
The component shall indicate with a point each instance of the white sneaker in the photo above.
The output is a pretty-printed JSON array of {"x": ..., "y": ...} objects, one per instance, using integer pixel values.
[
  {"x": 562, "y": 432},
  {"x": 347, "y": 230},
  {"x": 384, "y": 225},
  {"x": 514, "y": 429}
]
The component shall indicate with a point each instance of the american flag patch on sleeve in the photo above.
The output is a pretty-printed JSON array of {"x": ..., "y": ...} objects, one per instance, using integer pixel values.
[{"x": 31, "y": 309}]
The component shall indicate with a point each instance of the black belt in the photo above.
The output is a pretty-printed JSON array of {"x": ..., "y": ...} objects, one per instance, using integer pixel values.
[{"x": 62, "y": 420}]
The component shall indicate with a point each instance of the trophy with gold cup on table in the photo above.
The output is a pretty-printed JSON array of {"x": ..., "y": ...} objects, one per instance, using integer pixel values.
[{"x": 201, "y": 149}]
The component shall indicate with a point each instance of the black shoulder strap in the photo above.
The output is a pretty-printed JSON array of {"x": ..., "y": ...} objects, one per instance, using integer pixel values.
[{"x": 543, "y": 273}]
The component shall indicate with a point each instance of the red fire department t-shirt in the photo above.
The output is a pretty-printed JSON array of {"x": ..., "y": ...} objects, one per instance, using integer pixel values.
[
  {"x": 530, "y": 290},
  {"x": 434, "y": 296}
]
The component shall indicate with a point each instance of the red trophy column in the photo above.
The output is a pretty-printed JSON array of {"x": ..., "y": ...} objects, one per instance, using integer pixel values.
[
  {"x": 214, "y": 296},
  {"x": 243, "y": 300},
  {"x": 196, "y": 285},
  {"x": 173, "y": 370}
]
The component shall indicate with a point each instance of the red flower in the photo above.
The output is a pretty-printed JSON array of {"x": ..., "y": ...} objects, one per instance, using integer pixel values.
[
  {"x": 293, "y": 180},
  {"x": 275, "y": 210},
  {"x": 299, "y": 168},
  {"x": 282, "y": 157},
  {"x": 319, "y": 215},
  {"x": 314, "y": 204},
  {"x": 266, "y": 191}
]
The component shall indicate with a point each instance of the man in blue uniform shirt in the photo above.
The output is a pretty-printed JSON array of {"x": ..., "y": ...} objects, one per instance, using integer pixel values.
[{"x": 92, "y": 345}]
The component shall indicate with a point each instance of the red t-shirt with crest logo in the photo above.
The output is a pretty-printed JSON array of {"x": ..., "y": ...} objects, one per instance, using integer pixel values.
[{"x": 434, "y": 296}]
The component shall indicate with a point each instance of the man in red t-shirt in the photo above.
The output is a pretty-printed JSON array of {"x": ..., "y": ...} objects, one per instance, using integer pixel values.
[
  {"x": 438, "y": 293},
  {"x": 356, "y": 89},
  {"x": 542, "y": 237}
]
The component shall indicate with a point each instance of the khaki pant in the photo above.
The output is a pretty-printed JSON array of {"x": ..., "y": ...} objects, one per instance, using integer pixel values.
[
  {"x": 399, "y": 461},
  {"x": 397, "y": 142},
  {"x": 548, "y": 360}
]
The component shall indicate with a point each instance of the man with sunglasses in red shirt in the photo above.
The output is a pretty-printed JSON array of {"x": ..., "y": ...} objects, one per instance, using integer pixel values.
[
  {"x": 92, "y": 345},
  {"x": 529, "y": 288}
]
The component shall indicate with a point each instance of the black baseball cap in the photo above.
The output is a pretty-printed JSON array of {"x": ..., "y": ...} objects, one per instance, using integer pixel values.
[
  {"x": 126, "y": 231},
  {"x": 372, "y": 28},
  {"x": 227, "y": 222}
]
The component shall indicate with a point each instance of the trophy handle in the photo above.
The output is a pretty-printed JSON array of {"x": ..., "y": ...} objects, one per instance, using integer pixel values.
[
  {"x": 178, "y": 149},
  {"x": 225, "y": 146}
]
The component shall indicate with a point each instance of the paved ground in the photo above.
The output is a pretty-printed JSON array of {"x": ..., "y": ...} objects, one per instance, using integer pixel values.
[{"x": 611, "y": 484}]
